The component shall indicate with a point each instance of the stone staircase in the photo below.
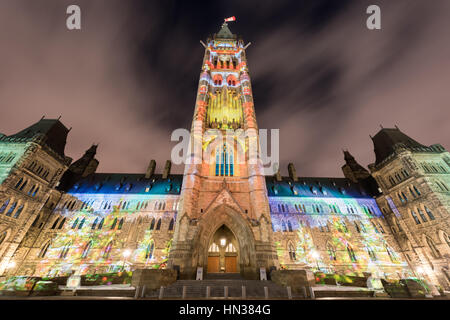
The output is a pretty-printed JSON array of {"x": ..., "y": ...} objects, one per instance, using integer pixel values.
[{"x": 197, "y": 289}]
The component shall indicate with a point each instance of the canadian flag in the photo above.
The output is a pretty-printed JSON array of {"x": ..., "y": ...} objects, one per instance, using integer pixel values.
[{"x": 233, "y": 18}]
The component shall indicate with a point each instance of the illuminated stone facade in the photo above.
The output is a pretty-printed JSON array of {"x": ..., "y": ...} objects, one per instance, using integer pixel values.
[{"x": 98, "y": 222}]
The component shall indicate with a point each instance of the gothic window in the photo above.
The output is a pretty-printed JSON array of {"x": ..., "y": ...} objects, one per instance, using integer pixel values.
[
  {"x": 158, "y": 224},
  {"x": 351, "y": 254},
  {"x": 357, "y": 227},
  {"x": 31, "y": 189},
  {"x": 86, "y": 250},
  {"x": 35, "y": 221},
  {"x": 434, "y": 251},
  {"x": 381, "y": 228},
  {"x": 331, "y": 252},
  {"x": 412, "y": 193},
  {"x": 81, "y": 224},
  {"x": 391, "y": 254},
  {"x": 230, "y": 248},
  {"x": 55, "y": 224},
  {"x": 65, "y": 250},
  {"x": 74, "y": 225},
  {"x": 416, "y": 219},
  {"x": 62, "y": 223},
  {"x": 23, "y": 185},
  {"x": 372, "y": 254},
  {"x": 107, "y": 250},
  {"x": 94, "y": 224},
  {"x": 171, "y": 224},
  {"x": 3, "y": 207},
  {"x": 100, "y": 225},
  {"x": 289, "y": 226},
  {"x": 152, "y": 224},
  {"x": 283, "y": 226},
  {"x": 224, "y": 161},
  {"x": 120, "y": 224},
  {"x": 424, "y": 218},
  {"x": 213, "y": 248},
  {"x": 375, "y": 227},
  {"x": 114, "y": 224},
  {"x": 344, "y": 226},
  {"x": 11, "y": 209},
  {"x": 18, "y": 183},
  {"x": 292, "y": 255},
  {"x": 44, "y": 249},
  {"x": 35, "y": 192},
  {"x": 149, "y": 250}
]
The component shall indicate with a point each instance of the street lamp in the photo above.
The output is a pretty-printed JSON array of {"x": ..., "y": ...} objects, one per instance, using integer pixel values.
[
  {"x": 125, "y": 254},
  {"x": 316, "y": 256}
]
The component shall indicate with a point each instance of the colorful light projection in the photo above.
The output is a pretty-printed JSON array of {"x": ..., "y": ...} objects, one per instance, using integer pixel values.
[
  {"x": 10, "y": 153},
  {"x": 326, "y": 241},
  {"x": 91, "y": 241}
]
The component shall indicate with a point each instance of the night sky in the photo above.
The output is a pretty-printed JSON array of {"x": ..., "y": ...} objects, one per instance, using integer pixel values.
[{"x": 129, "y": 77}]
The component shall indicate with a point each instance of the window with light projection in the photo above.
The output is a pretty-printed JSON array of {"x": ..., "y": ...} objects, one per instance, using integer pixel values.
[{"x": 224, "y": 161}]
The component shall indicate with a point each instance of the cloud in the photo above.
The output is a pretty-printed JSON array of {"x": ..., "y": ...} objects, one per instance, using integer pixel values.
[{"x": 129, "y": 77}]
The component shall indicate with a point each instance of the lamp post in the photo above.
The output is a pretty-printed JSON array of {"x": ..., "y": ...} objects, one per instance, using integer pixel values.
[
  {"x": 125, "y": 254},
  {"x": 316, "y": 256}
]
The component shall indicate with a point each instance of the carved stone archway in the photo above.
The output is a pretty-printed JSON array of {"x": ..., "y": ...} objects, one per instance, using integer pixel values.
[{"x": 240, "y": 227}]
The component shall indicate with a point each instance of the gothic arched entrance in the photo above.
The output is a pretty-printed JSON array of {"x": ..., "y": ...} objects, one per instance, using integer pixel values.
[{"x": 223, "y": 252}]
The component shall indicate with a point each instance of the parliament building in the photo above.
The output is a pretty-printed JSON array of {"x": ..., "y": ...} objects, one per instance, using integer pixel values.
[{"x": 391, "y": 220}]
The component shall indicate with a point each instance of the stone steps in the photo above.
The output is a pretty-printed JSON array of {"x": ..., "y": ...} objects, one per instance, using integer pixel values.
[{"x": 197, "y": 289}]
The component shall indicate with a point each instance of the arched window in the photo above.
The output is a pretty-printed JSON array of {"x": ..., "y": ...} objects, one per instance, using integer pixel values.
[
  {"x": 65, "y": 250},
  {"x": 357, "y": 227},
  {"x": 372, "y": 255},
  {"x": 31, "y": 189},
  {"x": 424, "y": 219},
  {"x": 100, "y": 225},
  {"x": 291, "y": 250},
  {"x": 230, "y": 248},
  {"x": 149, "y": 250},
  {"x": 55, "y": 224},
  {"x": 74, "y": 225},
  {"x": 11, "y": 209},
  {"x": 107, "y": 250},
  {"x": 416, "y": 219},
  {"x": 213, "y": 248},
  {"x": 351, "y": 254},
  {"x": 391, "y": 254},
  {"x": 94, "y": 224},
  {"x": 18, "y": 212},
  {"x": 224, "y": 161},
  {"x": 374, "y": 227},
  {"x": 18, "y": 183},
  {"x": 44, "y": 249},
  {"x": 429, "y": 213},
  {"x": 434, "y": 251},
  {"x": 4, "y": 205},
  {"x": 114, "y": 224},
  {"x": 86, "y": 250},
  {"x": 171, "y": 224},
  {"x": 81, "y": 224},
  {"x": 283, "y": 226},
  {"x": 417, "y": 191},
  {"x": 158, "y": 224},
  {"x": 23, "y": 185},
  {"x": 62, "y": 223},
  {"x": 331, "y": 252},
  {"x": 120, "y": 224},
  {"x": 289, "y": 226},
  {"x": 152, "y": 224}
]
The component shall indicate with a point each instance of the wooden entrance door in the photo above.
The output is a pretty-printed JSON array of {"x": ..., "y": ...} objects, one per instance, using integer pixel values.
[
  {"x": 230, "y": 264},
  {"x": 213, "y": 264}
]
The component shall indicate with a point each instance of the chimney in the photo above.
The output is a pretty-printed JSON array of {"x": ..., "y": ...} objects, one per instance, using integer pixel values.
[
  {"x": 167, "y": 169},
  {"x": 292, "y": 172},
  {"x": 150, "y": 169}
]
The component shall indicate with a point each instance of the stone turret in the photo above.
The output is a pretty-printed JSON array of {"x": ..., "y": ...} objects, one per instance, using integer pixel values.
[
  {"x": 150, "y": 169},
  {"x": 353, "y": 170},
  {"x": 167, "y": 169},
  {"x": 292, "y": 172}
]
